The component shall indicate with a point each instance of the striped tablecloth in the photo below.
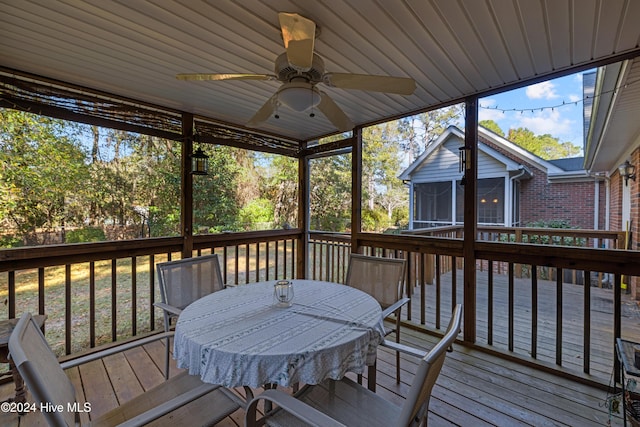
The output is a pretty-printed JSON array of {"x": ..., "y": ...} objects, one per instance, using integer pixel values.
[{"x": 238, "y": 336}]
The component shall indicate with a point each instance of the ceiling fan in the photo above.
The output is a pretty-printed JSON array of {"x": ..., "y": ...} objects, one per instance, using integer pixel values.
[{"x": 300, "y": 70}]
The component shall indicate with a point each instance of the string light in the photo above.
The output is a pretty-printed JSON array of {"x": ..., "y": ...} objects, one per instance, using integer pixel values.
[{"x": 564, "y": 103}]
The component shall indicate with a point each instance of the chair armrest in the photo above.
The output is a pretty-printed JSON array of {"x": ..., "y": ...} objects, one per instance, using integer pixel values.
[
  {"x": 393, "y": 307},
  {"x": 291, "y": 405},
  {"x": 402, "y": 348},
  {"x": 170, "y": 405},
  {"x": 115, "y": 349},
  {"x": 168, "y": 308}
]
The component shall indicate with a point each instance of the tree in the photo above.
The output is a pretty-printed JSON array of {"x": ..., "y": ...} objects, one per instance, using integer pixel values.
[
  {"x": 544, "y": 146},
  {"x": 419, "y": 131},
  {"x": 330, "y": 193},
  {"x": 381, "y": 164},
  {"x": 492, "y": 126},
  {"x": 280, "y": 174},
  {"x": 215, "y": 197},
  {"x": 43, "y": 168}
]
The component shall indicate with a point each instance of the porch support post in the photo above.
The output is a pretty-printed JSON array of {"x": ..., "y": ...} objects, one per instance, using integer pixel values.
[
  {"x": 470, "y": 217},
  {"x": 186, "y": 182},
  {"x": 302, "y": 250},
  {"x": 356, "y": 189}
]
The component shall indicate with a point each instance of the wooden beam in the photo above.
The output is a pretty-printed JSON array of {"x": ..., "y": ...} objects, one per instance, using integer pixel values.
[
  {"x": 186, "y": 199},
  {"x": 470, "y": 217},
  {"x": 356, "y": 188},
  {"x": 65, "y": 114},
  {"x": 303, "y": 216}
]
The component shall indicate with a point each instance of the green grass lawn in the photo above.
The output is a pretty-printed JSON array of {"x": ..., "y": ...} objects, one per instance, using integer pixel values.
[{"x": 54, "y": 294}]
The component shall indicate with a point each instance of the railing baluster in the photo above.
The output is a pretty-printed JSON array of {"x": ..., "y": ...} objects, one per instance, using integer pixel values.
[
  {"x": 11, "y": 284},
  {"x": 490, "y": 302},
  {"x": 510, "y": 308},
  {"x": 559, "y": 294},
  {"x": 423, "y": 300},
  {"x": 152, "y": 293},
  {"x": 293, "y": 258},
  {"x": 134, "y": 297},
  {"x": 67, "y": 309},
  {"x": 237, "y": 266},
  {"x": 587, "y": 322},
  {"x": 258, "y": 262},
  {"x": 267, "y": 247},
  {"x": 438, "y": 292},
  {"x": 41, "y": 308},
  {"x": 454, "y": 282},
  {"x": 534, "y": 311},
  {"x": 617, "y": 322},
  {"x": 92, "y": 304},
  {"x": 277, "y": 257},
  {"x": 114, "y": 298}
]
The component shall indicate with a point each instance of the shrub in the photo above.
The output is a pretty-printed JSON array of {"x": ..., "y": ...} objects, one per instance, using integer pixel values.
[
  {"x": 83, "y": 235},
  {"x": 10, "y": 241}
]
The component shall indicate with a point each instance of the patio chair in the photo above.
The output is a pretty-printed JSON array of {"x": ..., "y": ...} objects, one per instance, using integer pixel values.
[
  {"x": 181, "y": 283},
  {"x": 346, "y": 403},
  {"x": 383, "y": 279},
  {"x": 51, "y": 386}
]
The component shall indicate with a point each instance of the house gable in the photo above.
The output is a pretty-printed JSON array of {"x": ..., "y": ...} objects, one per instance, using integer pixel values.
[{"x": 440, "y": 161}]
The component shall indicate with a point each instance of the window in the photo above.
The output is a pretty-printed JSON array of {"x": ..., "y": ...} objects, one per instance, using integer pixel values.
[
  {"x": 432, "y": 204},
  {"x": 490, "y": 202}
]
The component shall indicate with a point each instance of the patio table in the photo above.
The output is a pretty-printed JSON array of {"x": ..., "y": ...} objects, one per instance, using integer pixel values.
[{"x": 239, "y": 337}]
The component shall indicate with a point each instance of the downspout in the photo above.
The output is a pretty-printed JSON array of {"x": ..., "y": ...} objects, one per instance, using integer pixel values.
[
  {"x": 523, "y": 172},
  {"x": 411, "y": 203},
  {"x": 596, "y": 215},
  {"x": 596, "y": 205}
]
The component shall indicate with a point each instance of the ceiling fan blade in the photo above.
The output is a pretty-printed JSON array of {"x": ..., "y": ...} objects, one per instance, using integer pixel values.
[
  {"x": 335, "y": 115},
  {"x": 213, "y": 76},
  {"x": 388, "y": 84},
  {"x": 298, "y": 34},
  {"x": 264, "y": 112}
]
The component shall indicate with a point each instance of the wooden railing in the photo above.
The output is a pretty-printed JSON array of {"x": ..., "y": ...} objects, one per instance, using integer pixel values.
[
  {"x": 526, "y": 316},
  {"x": 98, "y": 292}
]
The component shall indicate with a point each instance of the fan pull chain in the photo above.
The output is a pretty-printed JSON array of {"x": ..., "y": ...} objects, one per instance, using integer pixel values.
[{"x": 312, "y": 114}]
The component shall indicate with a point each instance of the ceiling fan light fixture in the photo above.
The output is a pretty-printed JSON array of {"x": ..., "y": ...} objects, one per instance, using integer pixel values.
[{"x": 299, "y": 96}]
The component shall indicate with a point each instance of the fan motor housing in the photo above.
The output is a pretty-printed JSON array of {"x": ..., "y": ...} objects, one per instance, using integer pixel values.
[{"x": 287, "y": 73}]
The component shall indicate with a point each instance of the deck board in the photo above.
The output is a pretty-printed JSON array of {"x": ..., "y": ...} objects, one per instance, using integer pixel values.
[
  {"x": 474, "y": 388},
  {"x": 601, "y": 320}
]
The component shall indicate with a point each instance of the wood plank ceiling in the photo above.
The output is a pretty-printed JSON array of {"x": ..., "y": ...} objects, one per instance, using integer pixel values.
[{"x": 451, "y": 48}]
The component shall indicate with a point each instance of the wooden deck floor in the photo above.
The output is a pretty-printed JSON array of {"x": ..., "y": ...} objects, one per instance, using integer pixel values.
[
  {"x": 474, "y": 389},
  {"x": 601, "y": 320}
]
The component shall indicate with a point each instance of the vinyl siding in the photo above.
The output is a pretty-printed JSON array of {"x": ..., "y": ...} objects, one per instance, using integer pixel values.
[{"x": 442, "y": 165}]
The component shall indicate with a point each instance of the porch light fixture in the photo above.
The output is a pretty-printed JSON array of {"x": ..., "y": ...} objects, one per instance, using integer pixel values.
[
  {"x": 627, "y": 171},
  {"x": 199, "y": 163},
  {"x": 299, "y": 96}
]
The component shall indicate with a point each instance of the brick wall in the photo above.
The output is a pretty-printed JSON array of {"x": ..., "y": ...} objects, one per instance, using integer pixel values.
[
  {"x": 544, "y": 201},
  {"x": 567, "y": 201}
]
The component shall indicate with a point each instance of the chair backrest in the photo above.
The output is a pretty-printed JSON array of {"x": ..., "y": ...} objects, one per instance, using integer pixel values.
[
  {"x": 382, "y": 278},
  {"x": 42, "y": 373},
  {"x": 186, "y": 280},
  {"x": 416, "y": 405}
]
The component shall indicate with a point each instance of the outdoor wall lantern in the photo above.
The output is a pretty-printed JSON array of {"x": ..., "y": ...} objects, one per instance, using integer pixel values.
[
  {"x": 199, "y": 163},
  {"x": 627, "y": 171}
]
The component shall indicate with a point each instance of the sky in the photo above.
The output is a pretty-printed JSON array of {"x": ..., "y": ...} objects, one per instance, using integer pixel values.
[{"x": 552, "y": 107}]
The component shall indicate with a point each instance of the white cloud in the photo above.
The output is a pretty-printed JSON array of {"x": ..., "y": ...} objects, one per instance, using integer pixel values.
[
  {"x": 544, "y": 90},
  {"x": 575, "y": 98},
  {"x": 547, "y": 122},
  {"x": 487, "y": 110}
]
